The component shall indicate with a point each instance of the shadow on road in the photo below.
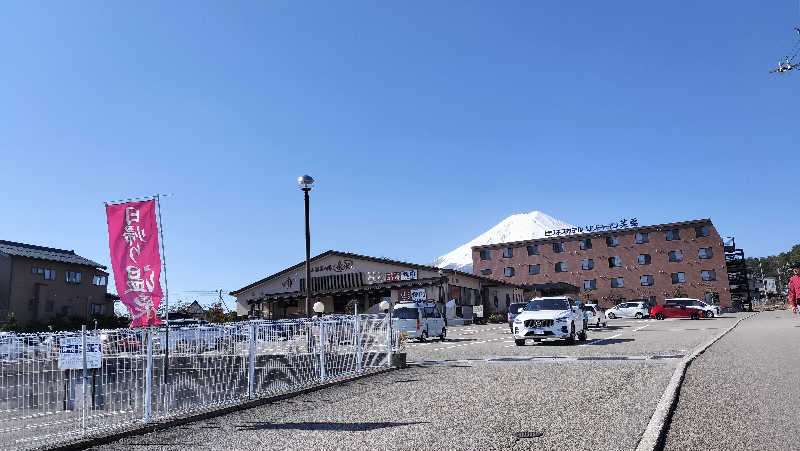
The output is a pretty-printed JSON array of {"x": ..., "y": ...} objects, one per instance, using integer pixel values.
[{"x": 327, "y": 426}]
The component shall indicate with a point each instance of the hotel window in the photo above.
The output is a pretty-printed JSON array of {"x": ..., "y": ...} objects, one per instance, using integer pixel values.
[
  {"x": 617, "y": 282},
  {"x": 614, "y": 262},
  {"x": 590, "y": 284},
  {"x": 486, "y": 255},
  {"x": 508, "y": 252},
  {"x": 36, "y": 270},
  {"x": 533, "y": 249},
  {"x": 678, "y": 277},
  {"x": 612, "y": 241},
  {"x": 486, "y": 272},
  {"x": 647, "y": 281},
  {"x": 586, "y": 244},
  {"x": 73, "y": 277},
  {"x": 641, "y": 237},
  {"x": 509, "y": 271},
  {"x": 709, "y": 274},
  {"x": 701, "y": 231},
  {"x": 705, "y": 252},
  {"x": 561, "y": 267},
  {"x": 558, "y": 247},
  {"x": 534, "y": 269},
  {"x": 675, "y": 256},
  {"x": 98, "y": 309},
  {"x": 587, "y": 264},
  {"x": 673, "y": 235},
  {"x": 644, "y": 259},
  {"x": 99, "y": 280}
]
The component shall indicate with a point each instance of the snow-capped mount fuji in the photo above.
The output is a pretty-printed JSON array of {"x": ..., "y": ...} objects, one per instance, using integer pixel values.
[{"x": 519, "y": 227}]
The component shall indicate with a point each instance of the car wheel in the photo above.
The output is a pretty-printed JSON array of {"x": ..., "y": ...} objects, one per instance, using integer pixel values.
[
  {"x": 694, "y": 315},
  {"x": 709, "y": 314},
  {"x": 519, "y": 342},
  {"x": 444, "y": 334},
  {"x": 571, "y": 338},
  {"x": 598, "y": 322},
  {"x": 611, "y": 316},
  {"x": 423, "y": 336},
  {"x": 639, "y": 315},
  {"x": 582, "y": 335},
  {"x": 659, "y": 316},
  {"x": 605, "y": 324}
]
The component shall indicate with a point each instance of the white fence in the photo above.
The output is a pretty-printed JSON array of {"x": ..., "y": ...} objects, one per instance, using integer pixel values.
[{"x": 43, "y": 404}]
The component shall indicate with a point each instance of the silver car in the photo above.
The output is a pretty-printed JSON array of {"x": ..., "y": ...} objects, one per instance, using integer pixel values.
[
  {"x": 629, "y": 310},
  {"x": 595, "y": 316}
]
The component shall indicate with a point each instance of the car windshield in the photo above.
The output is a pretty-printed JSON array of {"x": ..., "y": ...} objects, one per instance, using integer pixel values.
[
  {"x": 516, "y": 308},
  {"x": 406, "y": 313},
  {"x": 547, "y": 304}
]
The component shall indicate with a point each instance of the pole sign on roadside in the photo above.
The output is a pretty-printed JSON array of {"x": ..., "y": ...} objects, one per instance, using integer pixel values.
[{"x": 70, "y": 353}]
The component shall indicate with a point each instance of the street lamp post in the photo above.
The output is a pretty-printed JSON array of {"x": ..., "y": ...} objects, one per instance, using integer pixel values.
[{"x": 307, "y": 182}]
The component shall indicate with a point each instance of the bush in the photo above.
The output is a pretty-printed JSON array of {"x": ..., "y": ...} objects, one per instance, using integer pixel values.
[{"x": 497, "y": 318}]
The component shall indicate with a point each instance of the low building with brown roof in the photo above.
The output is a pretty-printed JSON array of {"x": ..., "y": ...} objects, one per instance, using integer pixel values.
[
  {"x": 38, "y": 283},
  {"x": 342, "y": 280}
]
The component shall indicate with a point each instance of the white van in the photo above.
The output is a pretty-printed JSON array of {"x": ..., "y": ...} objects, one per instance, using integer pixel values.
[{"x": 419, "y": 320}]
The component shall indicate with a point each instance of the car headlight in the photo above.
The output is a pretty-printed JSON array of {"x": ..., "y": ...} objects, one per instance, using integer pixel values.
[
  {"x": 562, "y": 319},
  {"x": 517, "y": 321}
]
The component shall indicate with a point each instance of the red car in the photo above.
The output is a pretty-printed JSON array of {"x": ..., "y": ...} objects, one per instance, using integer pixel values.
[{"x": 662, "y": 311}]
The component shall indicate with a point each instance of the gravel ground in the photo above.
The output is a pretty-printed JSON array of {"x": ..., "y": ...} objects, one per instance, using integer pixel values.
[
  {"x": 463, "y": 405},
  {"x": 744, "y": 391},
  {"x": 599, "y": 395}
]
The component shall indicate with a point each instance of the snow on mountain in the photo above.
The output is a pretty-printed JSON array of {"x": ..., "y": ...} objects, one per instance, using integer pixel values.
[{"x": 519, "y": 227}]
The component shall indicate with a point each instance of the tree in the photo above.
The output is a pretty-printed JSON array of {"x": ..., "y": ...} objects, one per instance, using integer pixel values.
[{"x": 218, "y": 313}]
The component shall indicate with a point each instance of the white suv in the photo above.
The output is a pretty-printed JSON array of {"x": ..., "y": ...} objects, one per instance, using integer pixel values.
[
  {"x": 547, "y": 318},
  {"x": 709, "y": 311}
]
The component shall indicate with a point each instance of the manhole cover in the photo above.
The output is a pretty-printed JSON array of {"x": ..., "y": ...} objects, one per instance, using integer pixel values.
[{"x": 528, "y": 434}]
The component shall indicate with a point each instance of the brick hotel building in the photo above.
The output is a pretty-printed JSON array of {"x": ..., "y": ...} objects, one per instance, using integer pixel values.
[{"x": 681, "y": 259}]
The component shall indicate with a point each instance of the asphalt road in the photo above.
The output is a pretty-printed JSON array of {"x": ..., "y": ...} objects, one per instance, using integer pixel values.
[
  {"x": 474, "y": 391},
  {"x": 744, "y": 391}
]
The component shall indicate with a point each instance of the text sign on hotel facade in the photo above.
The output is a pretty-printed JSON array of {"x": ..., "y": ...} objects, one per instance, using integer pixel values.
[{"x": 621, "y": 224}]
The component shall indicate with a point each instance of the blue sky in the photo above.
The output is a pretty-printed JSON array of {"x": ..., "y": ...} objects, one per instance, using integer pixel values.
[{"x": 424, "y": 123}]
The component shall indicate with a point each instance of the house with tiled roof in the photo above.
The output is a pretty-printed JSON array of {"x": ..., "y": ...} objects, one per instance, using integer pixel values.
[
  {"x": 38, "y": 283},
  {"x": 344, "y": 280}
]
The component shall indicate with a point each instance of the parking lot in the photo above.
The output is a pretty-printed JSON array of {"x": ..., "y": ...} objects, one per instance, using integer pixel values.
[{"x": 476, "y": 390}]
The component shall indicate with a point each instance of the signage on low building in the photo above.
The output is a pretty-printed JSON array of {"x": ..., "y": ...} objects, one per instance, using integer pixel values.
[
  {"x": 412, "y": 295},
  {"x": 621, "y": 224},
  {"x": 397, "y": 276}
]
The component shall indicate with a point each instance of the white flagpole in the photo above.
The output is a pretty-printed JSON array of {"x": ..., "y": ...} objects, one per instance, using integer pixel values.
[{"x": 166, "y": 300}]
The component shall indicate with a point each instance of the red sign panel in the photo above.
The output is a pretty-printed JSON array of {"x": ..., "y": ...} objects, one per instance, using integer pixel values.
[{"x": 133, "y": 240}]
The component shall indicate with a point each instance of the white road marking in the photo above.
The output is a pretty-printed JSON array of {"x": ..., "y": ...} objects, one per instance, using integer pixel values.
[
  {"x": 640, "y": 328},
  {"x": 599, "y": 340}
]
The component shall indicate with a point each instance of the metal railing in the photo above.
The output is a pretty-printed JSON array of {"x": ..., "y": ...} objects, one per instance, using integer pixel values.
[{"x": 42, "y": 403}]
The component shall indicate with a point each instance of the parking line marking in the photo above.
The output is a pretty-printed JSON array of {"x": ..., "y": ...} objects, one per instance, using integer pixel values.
[
  {"x": 640, "y": 328},
  {"x": 599, "y": 340}
]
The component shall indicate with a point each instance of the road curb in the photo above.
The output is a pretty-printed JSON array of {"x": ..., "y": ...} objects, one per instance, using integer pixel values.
[
  {"x": 191, "y": 418},
  {"x": 655, "y": 434}
]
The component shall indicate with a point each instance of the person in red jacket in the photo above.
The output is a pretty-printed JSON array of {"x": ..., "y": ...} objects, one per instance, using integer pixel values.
[{"x": 794, "y": 288}]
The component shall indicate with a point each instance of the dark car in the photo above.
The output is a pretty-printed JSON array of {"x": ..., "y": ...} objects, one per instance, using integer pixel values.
[
  {"x": 514, "y": 310},
  {"x": 662, "y": 311}
]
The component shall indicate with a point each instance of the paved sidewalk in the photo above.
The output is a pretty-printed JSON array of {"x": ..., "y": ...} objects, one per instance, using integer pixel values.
[{"x": 744, "y": 391}]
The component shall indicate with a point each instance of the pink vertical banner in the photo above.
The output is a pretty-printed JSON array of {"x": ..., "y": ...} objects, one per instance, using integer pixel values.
[{"x": 133, "y": 240}]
